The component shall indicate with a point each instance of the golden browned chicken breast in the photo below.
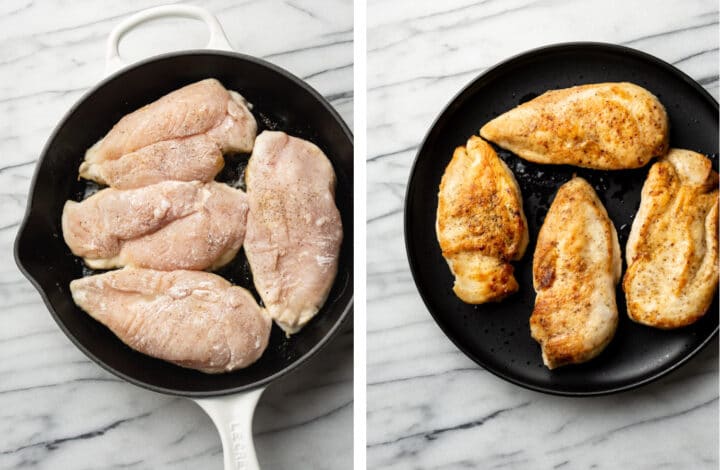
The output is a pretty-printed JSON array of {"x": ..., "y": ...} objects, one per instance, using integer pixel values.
[
  {"x": 575, "y": 269},
  {"x": 481, "y": 225},
  {"x": 672, "y": 251},
  {"x": 607, "y": 126}
]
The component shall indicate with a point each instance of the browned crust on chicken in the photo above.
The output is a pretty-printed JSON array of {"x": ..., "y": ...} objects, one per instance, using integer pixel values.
[
  {"x": 672, "y": 251},
  {"x": 606, "y": 126},
  {"x": 481, "y": 226},
  {"x": 576, "y": 266}
]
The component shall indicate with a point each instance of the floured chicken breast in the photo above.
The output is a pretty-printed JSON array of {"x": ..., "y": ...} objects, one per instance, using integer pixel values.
[
  {"x": 191, "y": 318},
  {"x": 294, "y": 229},
  {"x": 672, "y": 251},
  {"x": 203, "y": 108},
  {"x": 480, "y": 225},
  {"x": 607, "y": 126},
  {"x": 195, "y": 158},
  {"x": 166, "y": 226},
  {"x": 575, "y": 270}
]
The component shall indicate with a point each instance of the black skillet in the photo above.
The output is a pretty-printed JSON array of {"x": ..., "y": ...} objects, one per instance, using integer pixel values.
[
  {"x": 497, "y": 336},
  {"x": 281, "y": 101}
]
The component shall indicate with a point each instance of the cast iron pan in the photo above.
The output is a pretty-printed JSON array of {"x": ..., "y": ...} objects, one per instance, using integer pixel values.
[
  {"x": 497, "y": 336},
  {"x": 280, "y": 101}
]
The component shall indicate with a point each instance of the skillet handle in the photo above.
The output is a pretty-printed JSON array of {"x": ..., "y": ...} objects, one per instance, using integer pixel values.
[
  {"x": 218, "y": 38},
  {"x": 233, "y": 417}
]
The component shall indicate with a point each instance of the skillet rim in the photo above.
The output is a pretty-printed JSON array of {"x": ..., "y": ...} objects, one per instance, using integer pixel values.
[
  {"x": 409, "y": 191},
  {"x": 346, "y": 309}
]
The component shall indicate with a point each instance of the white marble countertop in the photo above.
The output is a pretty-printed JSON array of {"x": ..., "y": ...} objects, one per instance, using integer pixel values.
[
  {"x": 429, "y": 406},
  {"x": 57, "y": 408}
]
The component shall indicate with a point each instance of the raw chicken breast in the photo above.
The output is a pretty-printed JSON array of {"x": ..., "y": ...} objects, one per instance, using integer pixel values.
[
  {"x": 607, "y": 126},
  {"x": 294, "y": 229},
  {"x": 166, "y": 226},
  {"x": 672, "y": 250},
  {"x": 576, "y": 267},
  {"x": 204, "y": 107},
  {"x": 190, "y": 318},
  {"x": 480, "y": 224},
  {"x": 195, "y": 158}
]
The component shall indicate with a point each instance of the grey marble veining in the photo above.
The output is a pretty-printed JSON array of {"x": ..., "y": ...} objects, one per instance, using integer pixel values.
[
  {"x": 429, "y": 406},
  {"x": 57, "y": 408}
]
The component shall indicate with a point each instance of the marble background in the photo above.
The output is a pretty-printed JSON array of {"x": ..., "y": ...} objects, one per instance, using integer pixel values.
[
  {"x": 57, "y": 408},
  {"x": 429, "y": 406}
]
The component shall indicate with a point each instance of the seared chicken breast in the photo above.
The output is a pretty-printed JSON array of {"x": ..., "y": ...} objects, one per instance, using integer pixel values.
[
  {"x": 481, "y": 225},
  {"x": 191, "y": 318},
  {"x": 607, "y": 126},
  {"x": 672, "y": 251},
  {"x": 575, "y": 270}
]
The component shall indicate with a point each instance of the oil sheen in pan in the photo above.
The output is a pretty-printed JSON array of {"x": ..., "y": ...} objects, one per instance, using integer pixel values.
[
  {"x": 233, "y": 173},
  {"x": 539, "y": 183},
  {"x": 619, "y": 193},
  {"x": 497, "y": 336}
]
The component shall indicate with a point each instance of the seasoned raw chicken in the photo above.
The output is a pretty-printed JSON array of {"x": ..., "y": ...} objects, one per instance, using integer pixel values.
[
  {"x": 167, "y": 226},
  {"x": 191, "y": 318},
  {"x": 195, "y": 158},
  {"x": 294, "y": 230},
  {"x": 608, "y": 126},
  {"x": 575, "y": 270},
  {"x": 480, "y": 225},
  {"x": 204, "y": 107},
  {"x": 672, "y": 251}
]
